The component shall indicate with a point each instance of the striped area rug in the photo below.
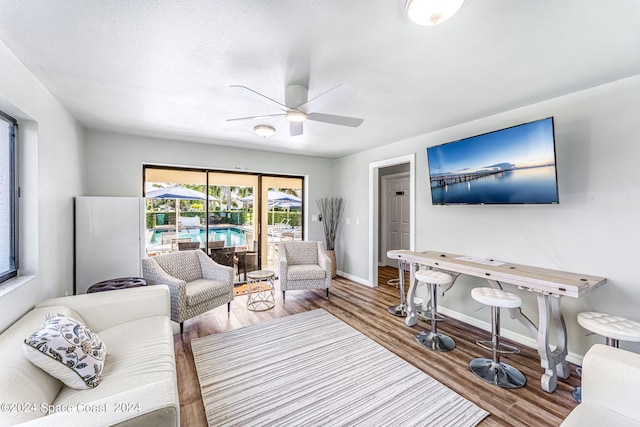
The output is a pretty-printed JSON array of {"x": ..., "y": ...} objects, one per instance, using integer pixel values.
[{"x": 312, "y": 369}]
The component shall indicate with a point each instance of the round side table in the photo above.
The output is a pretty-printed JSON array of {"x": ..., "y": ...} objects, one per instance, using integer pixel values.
[{"x": 260, "y": 290}]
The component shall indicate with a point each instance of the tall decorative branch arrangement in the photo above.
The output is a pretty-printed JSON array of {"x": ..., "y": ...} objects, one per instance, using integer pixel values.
[{"x": 331, "y": 209}]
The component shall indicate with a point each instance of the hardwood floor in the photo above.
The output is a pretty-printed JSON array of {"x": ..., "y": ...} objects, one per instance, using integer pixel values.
[{"x": 366, "y": 310}]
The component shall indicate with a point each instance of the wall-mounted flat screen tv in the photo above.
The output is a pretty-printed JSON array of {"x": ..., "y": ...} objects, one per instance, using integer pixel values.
[{"x": 512, "y": 165}]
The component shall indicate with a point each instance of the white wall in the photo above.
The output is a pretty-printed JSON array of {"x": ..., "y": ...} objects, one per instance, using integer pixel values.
[
  {"x": 51, "y": 171},
  {"x": 115, "y": 166},
  {"x": 594, "y": 230}
]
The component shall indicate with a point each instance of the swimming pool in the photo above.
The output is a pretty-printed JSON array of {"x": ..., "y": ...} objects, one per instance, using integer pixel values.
[{"x": 232, "y": 236}]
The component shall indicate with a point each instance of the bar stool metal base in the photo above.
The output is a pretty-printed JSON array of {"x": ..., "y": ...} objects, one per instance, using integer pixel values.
[
  {"x": 500, "y": 374},
  {"x": 437, "y": 342},
  {"x": 399, "y": 310},
  {"x": 577, "y": 394}
]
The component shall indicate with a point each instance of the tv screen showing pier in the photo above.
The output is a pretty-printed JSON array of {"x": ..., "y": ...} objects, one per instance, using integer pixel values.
[{"x": 512, "y": 165}]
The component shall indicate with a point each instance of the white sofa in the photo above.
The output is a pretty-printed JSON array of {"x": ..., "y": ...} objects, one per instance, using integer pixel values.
[
  {"x": 610, "y": 378},
  {"x": 138, "y": 384}
]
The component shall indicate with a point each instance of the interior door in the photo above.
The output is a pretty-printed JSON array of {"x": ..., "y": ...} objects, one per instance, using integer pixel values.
[{"x": 396, "y": 222}]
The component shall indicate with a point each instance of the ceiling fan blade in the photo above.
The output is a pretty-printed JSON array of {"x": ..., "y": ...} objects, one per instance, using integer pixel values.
[
  {"x": 295, "y": 128},
  {"x": 336, "y": 120},
  {"x": 256, "y": 117},
  {"x": 332, "y": 96},
  {"x": 253, "y": 94}
]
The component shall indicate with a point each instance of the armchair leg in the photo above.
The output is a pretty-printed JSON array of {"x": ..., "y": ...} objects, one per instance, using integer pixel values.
[
  {"x": 283, "y": 296},
  {"x": 181, "y": 327},
  {"x": 229, "y": 307},
  {"x": 327, "y": 293}
]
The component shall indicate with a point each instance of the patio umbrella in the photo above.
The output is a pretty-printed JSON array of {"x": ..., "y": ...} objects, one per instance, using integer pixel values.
[
  {"x": 275, "y": 196},
  {"x": 178, "y": 193},
  {"x": 278, "y": 198}
]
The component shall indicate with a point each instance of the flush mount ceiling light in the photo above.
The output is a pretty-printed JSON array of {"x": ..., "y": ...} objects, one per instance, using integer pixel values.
[
  {"x": 432, "y": 12},
  {"x": 296, "y": 116},
  {"x": 264, "y": 131}
]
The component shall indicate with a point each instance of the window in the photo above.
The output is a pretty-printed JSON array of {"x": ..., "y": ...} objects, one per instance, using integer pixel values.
[{"x": 8, "y": 198}]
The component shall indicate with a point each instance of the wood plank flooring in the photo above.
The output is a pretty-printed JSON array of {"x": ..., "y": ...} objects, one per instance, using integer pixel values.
[{"x": 366, "y": 310}]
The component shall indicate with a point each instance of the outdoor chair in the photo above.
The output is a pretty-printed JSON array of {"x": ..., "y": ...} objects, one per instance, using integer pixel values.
[
  {"x": 176, "y": 242},
  {"x": 223, "y": 256},
  {"x": 247, "y": 260},
  {"x": 215, "y": 244},
  {"x": 188, "y": 246},
  {"x": 303, "y": 265},
  {"x": 197, "y": 284}
]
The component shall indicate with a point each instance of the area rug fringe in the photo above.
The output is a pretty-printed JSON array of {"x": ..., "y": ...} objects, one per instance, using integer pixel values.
[{"x": 312, "y": 369}]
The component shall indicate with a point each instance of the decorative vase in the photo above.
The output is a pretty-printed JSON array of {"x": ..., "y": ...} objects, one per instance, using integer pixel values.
[{"x": 332, "y": 256}]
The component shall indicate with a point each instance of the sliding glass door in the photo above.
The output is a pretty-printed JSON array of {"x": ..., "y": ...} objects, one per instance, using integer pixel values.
[{"x": 237, "y": 218}]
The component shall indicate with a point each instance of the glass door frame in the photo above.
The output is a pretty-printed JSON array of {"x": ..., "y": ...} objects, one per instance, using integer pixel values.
[{"x": 261, "y": 227}]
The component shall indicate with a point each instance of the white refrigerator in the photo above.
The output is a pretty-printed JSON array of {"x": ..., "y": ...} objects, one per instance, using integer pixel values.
[{"x": 109, "y": 236}]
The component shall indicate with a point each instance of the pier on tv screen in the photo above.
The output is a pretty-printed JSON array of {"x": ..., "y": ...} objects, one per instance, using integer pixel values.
[{"x": 512, "y": 165}]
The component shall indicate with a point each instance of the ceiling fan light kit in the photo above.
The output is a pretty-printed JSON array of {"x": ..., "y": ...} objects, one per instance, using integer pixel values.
[
  {"x": 298, "y": 108},
  {"x": 296, "y": 116},
  {"x": 264, "y": 131},
  {"x": 432, "y": 12}
]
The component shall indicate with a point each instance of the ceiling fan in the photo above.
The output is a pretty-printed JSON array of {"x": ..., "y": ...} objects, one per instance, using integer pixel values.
[{"x": 297, "y": 107}]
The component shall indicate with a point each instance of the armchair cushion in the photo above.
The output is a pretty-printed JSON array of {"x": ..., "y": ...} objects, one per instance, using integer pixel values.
[
  {"x": 181, "y": 265},
  {"x": 201, "y": 290},
  {"x": 301, "y": 272},
  {"x": 301, "y": 253}
]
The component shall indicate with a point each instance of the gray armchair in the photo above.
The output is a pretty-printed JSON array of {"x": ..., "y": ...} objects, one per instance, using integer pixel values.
[
  {"x": 303, "y": 265},
  {"x": 196, "y": 282}
]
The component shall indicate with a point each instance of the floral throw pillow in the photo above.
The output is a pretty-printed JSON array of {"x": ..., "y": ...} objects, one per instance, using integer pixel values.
[{"x": 67, "y": 350}]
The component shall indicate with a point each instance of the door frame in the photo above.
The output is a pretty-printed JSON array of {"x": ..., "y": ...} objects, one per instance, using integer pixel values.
[
  {"x": 257, "y": 212},
  {"x": 384, "y": 214},
  {"x": 374, "y": 209}
]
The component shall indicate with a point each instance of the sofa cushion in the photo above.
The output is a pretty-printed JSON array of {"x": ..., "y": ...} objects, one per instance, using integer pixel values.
[
  {"x": 305, "y": 272},
  {"x": 21, "y": 380},
  {"x": 68, "y": 350},
  {"x": 299, "y": 253},
  {"x": 585, "y": 415},
  {"x": 183, "y": 265},
  {"x": 202, "y": 290},
  {"x": 141, "y": 354}
]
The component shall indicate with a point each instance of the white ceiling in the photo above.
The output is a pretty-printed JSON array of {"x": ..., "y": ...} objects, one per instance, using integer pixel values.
[{"x": 163, "y": 68}]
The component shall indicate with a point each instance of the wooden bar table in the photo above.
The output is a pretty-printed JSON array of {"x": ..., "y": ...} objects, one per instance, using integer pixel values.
[{"x": 550, "y": 286}]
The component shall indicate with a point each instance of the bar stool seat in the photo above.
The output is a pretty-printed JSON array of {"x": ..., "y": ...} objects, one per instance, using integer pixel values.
[
  {"x": 434, "y": 340},
  {"x": 493, "y": 370},
  {"x": 609, "y": 326}
]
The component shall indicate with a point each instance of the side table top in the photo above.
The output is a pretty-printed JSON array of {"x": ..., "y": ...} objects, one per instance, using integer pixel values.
[{"x": 260, "y": 274}]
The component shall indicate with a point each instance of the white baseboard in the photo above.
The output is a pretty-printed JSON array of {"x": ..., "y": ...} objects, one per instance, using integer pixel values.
[
  {"x": 510, "y": 335},
  {"x": 356, "y": 279}
]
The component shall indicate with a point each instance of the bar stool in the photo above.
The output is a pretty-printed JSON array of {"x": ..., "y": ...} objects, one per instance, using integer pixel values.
[
  {"x": 399, "y": 310},
  {"x": 434, "y": 340},
  {"x": 493, "y": 370},
  {"x": 613, "y": 328}
]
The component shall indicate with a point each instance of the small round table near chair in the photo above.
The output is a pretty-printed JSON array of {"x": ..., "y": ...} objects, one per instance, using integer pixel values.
[{"x": 260, "y": 290}]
